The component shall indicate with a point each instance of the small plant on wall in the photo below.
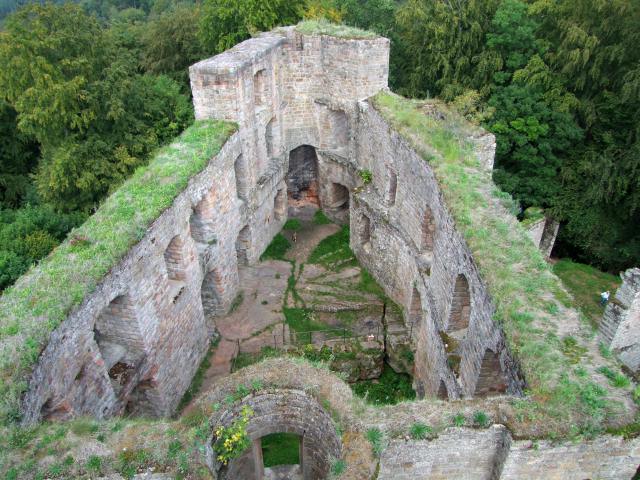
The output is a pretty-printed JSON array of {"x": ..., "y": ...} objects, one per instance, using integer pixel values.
[
  {"x": 366, "y": 176},
  {"x": 231, "y": 441}
]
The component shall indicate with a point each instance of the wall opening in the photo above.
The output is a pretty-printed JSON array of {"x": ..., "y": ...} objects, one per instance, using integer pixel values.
[
  {"x": 365, "y": 229},
  {"x": 415, "y": 311},
  {"x": 260, "y": 87},
  {"x": 243, "y": 243},
  {"x": 282, "y": 449},
  {"x": 117, "y": 334},
  {"x": 428, "y": 231},
  {"x": 442, "y": 391},
  {"x": 280, "y": 204},
  {"x": 339, "y": 129},
  {"x": 339, "y": 197},
  {"x": 460, "y": 312},
  {"x": 242, "y": 177},
  {"x": 302, "y": 177},
  {"x": 210, "y": 297},
  {"x": 491, "y": 380},
  {"x": 201, "y": 220},
  {"x": 174, "y": 259},
  {"x": 269, "y": 137},
  {"x": 392, "y": 186}
]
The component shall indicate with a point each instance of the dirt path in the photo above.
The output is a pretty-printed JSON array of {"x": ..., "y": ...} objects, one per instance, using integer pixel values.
[{"x": 307, "y": 238}]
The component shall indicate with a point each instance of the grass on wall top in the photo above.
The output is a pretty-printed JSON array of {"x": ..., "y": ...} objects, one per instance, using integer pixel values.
[
  {"x": 532, "y": 308},
  {"x": 42, "y": 298},
  {"x": 324, "y": 27}
]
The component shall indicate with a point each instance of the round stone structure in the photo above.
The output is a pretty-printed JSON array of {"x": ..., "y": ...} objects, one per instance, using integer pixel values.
[{"x": 282, "y": 411}]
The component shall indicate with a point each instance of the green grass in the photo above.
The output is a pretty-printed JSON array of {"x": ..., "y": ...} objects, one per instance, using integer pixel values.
[
  {"x": 301, "y": 320},
  {"x": 324, "y": 27},
  {"x": 586, "y": 283},
  {"x": 376, "y": 439},
  {"x": 419, "y": 431},
  {"x": 245, "y": 359},
  {"x": 276, "y": 249},
  {"x": 281, "y": 449},
  {"x": 32, "y": 308},
  {"x": 292, "y": 224},
  {"x": 529, "y": 299},
  {"x": 333, "y": 252},
  {"x": 389, "y": 389},
  {"x": 319, "y": 218}
]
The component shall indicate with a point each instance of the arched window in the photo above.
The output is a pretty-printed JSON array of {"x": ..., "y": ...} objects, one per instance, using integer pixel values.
[
  {"x": 491, "y": 380},
  {"x": 428, "y": 231}
]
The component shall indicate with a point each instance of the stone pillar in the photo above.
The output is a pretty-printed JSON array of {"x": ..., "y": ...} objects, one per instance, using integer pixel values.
[
  {"x": 258, "y": 462},
  {"x": 620, "y": 325},
  {"x": 543, "y": 233}
]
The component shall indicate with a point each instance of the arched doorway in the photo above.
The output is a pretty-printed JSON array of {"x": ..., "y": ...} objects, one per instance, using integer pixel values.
[{"x": 302, "y": 181}]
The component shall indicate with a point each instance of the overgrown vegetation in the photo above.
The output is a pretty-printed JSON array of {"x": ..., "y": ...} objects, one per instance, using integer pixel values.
[
  {"x": 324, "y": 27},
  {"x": 517, "y": 277},
  {"x": 276, "y": 249},
  {"x": 333, "y": 252},
  {"x": 93, "y": 249},
  {"x": 389, "y": 389},
  {"x": 585, "y": 283},
  {"x": 280, "y": 449}
]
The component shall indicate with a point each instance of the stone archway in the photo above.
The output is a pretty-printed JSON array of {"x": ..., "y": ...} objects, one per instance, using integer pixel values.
[
  {"x": 283, "y": 411},
  {"x": 302, "y": 179}
]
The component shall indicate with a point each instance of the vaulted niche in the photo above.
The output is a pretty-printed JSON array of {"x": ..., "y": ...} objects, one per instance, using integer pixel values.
[
  {"x": 339, "y": 128},
  {"x": 280, "y": 204},
  {"x": 302, "y": 177},
  {"x": 428, "y": 231},
  {"x": 260, "y": 87},
  {"x": 365, "y": 229},
  {"x": 415, "y": 312},
  {"x": 117, "y": 334},
  {"x": 460, "y": 312},
  {"x": 174, "y": 258},
  {"x": 243, "y": 244},
  {"x": 210, "y": 295},
  {"x": 269, "y": 137},
  {"x": 241, "y": 171},
  {"x": 491, "y": 380},
  {"x": 392, "y": 187},
  {"x": 201, "y": 220}
]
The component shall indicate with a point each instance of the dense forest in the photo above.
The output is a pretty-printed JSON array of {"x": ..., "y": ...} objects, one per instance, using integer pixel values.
[{"x": 88, "y": 90}]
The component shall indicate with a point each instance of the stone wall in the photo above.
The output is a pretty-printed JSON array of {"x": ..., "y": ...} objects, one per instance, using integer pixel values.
[
  {"x": 135, "y": 342},
  {"x": 620, "y": 325},
  {"x": 492, "y": 454},
  {"x": 408, "y": 240},
  {"x": 282, "y": 411}
]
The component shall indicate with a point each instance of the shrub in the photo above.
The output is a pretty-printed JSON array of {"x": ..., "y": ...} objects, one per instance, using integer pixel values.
[
  {"x": 231, "y": 441},
  {"x": 366, "y": 176},
  {"x": 376, "y": 438},
  {"x": 481, "y": 419},
  {"x": 419, "y": 431},
  {"x": 458, "y": 420},
  {"x": 338, "y": 467}
]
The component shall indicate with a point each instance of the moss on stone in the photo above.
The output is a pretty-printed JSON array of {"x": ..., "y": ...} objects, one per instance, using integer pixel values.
[
  {"x": 324, "y": 27},
  {"x": 42, "y": 298}
]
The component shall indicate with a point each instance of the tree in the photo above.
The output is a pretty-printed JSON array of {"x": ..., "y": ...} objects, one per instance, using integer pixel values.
[
  {"x": 171, "y": 44},
  {"x": 224, "y": 23}
]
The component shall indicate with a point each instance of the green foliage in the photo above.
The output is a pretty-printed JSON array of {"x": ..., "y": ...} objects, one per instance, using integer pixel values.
[
  {"x": 324, "y": 27},
  {"x": 389, "y": 389},
  {"x": 338, "y": 467},
  {"x": 276, "y": 249},
  {"x": 333, "y": 252},
  {"x": 231, "y": 441},
  {"x": 319, "y": 218},
  {"x": 171, "y": 43},
  {"x": 585, "y": 283},
  {"x": 224, "y": 23},
  {"x": 292, "y": 224},
  {"x": 366, "y": 176},
  {"x": 458, "y": 420},
  {"x": 301, "y": 319},
  {"x": 419, "y": 431},
  {"x": 616, "y": 379},
  {"x": 376, "y": 438},
  {"x": 481, "y": 419},
  {"x": 29, "y": 311},
  {"x": 94, "y": 464},
  {"x": 280, "y": 449}
]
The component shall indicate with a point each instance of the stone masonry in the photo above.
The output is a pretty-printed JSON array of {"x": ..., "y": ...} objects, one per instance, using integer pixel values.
[{"x": 620, "y": 325}]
